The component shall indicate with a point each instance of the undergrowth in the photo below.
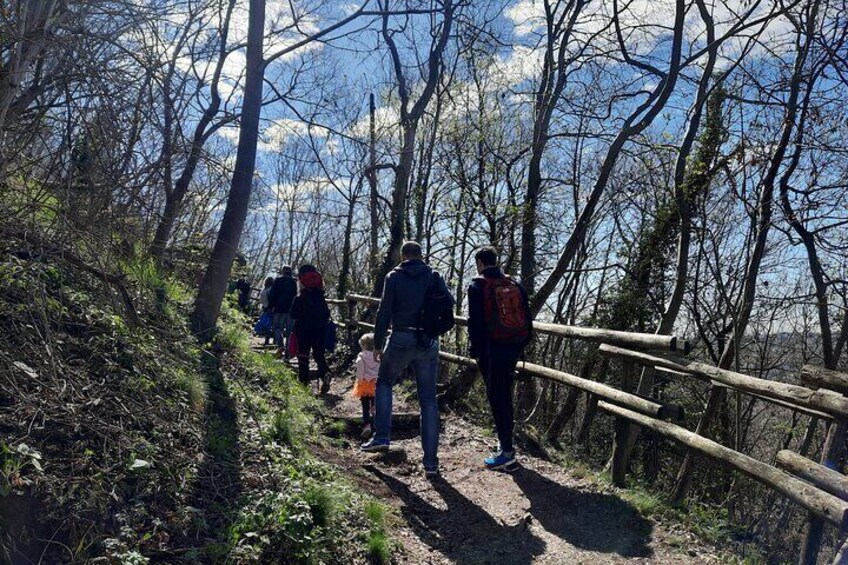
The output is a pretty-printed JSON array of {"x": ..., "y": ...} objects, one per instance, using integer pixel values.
[
  {"x": 128, "y": 442},
  {"x": 299, "y": 509},
  {"x": 708, "y": 523},
  {"x": 100, "y": 420}
]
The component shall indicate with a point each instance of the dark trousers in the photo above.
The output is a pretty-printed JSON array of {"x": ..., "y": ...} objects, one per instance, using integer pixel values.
[
  {"x": 367, "y": 401},
  {"x": 497, "y": 365},
  {"x": 310, "y": 340}
]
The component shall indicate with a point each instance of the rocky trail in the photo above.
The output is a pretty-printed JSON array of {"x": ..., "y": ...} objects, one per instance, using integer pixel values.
[{"x": 541, "y": 513}]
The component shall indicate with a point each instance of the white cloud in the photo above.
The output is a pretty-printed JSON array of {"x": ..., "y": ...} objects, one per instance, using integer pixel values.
[
  {"x": 301, "y": 193},
  {"x": 386, "y": 120},
  {"x": 521, "y": 64},
  {"x": 276, "y": 134},
  {"x": 645, "y": 23},
  {"x": 274, "y": 137},
  {"x": 230, "y": 133}
]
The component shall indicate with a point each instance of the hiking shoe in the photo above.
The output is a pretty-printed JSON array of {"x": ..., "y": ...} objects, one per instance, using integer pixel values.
[
  {"x": 367, "y": 432},
  {"x": 505, "y": 460},
  {"x": 431, "y": 474},
  {"x": 375, "y": 446}
]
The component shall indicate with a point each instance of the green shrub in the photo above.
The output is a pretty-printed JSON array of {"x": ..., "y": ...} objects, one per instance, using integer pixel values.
[
  {"x": 194, "y": 386},
  {"x": 322, "y": 504},
  {"x": 379, "y": 545},
  {"x": 282, "y": 429},
  {"x": 379, "y": 548},
  {"x": 376, "y": 514}
]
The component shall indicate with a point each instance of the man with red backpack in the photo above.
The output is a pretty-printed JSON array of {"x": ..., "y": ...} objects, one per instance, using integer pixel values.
[{"x": 499, "y": 327}]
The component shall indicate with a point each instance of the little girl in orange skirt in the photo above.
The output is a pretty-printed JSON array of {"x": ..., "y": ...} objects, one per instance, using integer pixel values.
[{"x": 365, "y": 387}]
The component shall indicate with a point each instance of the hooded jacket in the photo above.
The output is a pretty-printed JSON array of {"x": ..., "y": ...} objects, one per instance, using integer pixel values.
[
  {"x": 282, "y": 294},
  {"x": 366, "y": 366},
  {"x": 403, "y": 297},
  {"x": 309, "y": 308}
]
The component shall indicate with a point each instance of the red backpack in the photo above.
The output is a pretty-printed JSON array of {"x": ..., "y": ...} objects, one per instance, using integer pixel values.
[{"x": 507, "y": 314}]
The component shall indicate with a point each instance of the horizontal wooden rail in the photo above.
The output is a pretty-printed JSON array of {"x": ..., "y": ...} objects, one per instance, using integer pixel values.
[
  {"x": 824, "y": 478},
  {"x": 800, "y": 409},
  {"x": 818, "y": 377},
  {"x": 597, "y": 335},
  {"x": 822, "y": 504},
  {"x": 638, "y": 403},
  {"x": 364, "y": 299},
  {"x": 794, "y": 395}
]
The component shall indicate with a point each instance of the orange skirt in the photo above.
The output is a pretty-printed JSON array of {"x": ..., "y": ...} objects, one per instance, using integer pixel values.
[{"x": 363, "y": 388}]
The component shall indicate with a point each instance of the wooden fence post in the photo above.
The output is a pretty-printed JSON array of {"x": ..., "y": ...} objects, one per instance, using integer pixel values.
[
  {"x": 831, "y": 452},
  {"x": 350, "y": 322},
  {"x": 619, "y": 441}
]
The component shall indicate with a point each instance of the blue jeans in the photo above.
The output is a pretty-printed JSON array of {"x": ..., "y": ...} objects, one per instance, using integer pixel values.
[
  {"x": 401, "y": 351},
  {"x": 282, "y": 325}
]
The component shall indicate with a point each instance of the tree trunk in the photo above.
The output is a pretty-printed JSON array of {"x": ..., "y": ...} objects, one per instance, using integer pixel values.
[
  {"x": 690, "y": 182},
  {"x": 409, "y": 118},
  {"x": 373, "y": 194},
  {"x": 214, "y": 283},
  {"x": 633, "y": 125},
  {"x": 746, "y": 300},
  {"x": 398, "y": 212},
  {"x": 344, "y": 274}
]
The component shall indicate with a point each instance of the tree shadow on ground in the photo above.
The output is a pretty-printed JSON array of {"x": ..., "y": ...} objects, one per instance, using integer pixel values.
[
  {"x": 593, "y": 521},
  {"x": 463, "y": 532},
  {"x": 217, "y": 489}
]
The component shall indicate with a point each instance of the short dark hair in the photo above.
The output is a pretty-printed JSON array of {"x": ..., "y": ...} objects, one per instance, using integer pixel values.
[
  {"x": 488, "y": 256},
  {"x": 410, "y": 249}
]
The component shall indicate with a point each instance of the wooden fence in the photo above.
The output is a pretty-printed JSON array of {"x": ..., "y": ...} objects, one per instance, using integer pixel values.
[{"x": 823, "y": 492}]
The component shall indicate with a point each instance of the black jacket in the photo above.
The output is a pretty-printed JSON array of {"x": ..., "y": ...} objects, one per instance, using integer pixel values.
[
  {"x": 309, "y": 310},
  {"x": 403, "y": 296},
  {"x": 282, "y": 294},
  {"x": 478, "y": 334}
]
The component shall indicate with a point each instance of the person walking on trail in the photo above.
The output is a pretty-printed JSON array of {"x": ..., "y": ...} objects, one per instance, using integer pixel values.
[
  {"x": 243, "y": 288},
  {"x": 280, "y": 299},
  {"x": 265, "y": 303},
  {"x": 499, "y": 327},
  {"x": 365, "y": 387},
  {"x": 311, "y": 316},
  {"x": 414, "y": 296}
]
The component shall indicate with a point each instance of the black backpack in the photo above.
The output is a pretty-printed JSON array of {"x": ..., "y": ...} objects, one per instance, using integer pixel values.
[{"x": 436, "y": 315}]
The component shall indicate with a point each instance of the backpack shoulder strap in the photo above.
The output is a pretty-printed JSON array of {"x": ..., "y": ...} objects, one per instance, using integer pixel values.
[{"x": 434, "y": 281}]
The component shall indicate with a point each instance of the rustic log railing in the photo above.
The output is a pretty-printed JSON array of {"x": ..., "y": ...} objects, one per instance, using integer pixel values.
[{"x": 818, "y": 489}]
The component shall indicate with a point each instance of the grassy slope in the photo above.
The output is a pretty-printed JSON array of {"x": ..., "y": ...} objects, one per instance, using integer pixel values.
[{"x": 132, "y": 444}]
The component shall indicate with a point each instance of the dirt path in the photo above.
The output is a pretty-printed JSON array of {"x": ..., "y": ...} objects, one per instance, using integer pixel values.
[{"x": 538, "y": 514}]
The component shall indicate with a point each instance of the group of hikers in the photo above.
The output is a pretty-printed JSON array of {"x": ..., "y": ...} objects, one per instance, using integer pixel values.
[
  {"x": 300, "y": 319},
  {"x": 416, "y": 308}
]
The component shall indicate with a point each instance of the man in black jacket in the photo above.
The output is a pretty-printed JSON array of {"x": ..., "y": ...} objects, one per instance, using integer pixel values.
[
  {"x": 280, "y": 300},
  {"x": 495, "y": 358},
  {"x": 404, "y": 292}
]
